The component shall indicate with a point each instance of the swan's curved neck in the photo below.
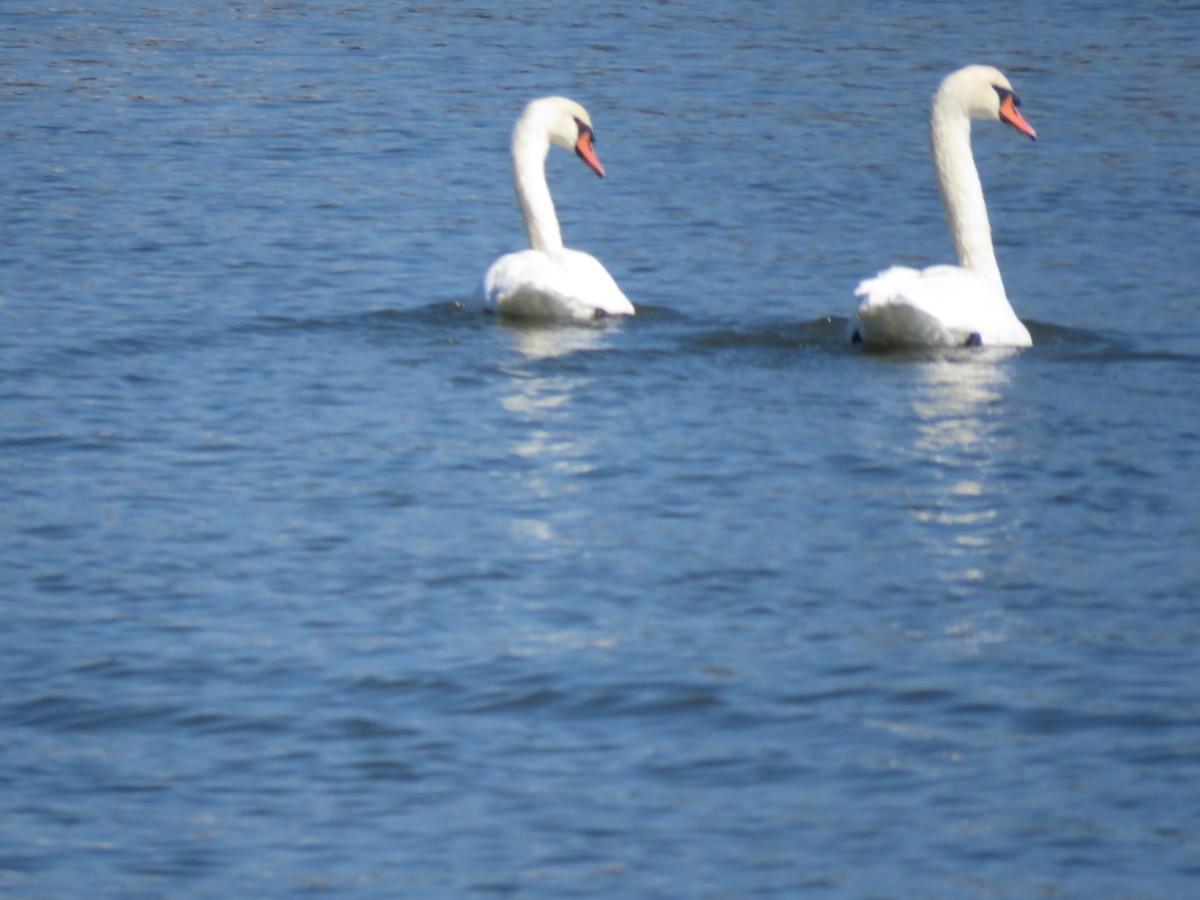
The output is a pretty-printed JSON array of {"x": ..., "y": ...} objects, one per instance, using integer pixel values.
[
  {"x": 530, "y": 145},
  {"x": 962, "y": 193}
]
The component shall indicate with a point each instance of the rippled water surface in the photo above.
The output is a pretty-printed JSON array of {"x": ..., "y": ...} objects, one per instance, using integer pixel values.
[{"x": 316, "y": 579}]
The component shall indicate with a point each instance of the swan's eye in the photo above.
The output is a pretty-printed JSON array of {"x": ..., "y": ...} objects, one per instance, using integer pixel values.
[
  {"x": 1005, "y": 93},
  {"x": 585, "y": 129}
]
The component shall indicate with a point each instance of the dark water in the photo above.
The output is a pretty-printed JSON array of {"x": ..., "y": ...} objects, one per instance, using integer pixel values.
[{"x": 315, "y": 580}]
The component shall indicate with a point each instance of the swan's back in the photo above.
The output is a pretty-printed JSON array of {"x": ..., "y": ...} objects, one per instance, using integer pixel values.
[
  {"x": 941, "y": 306},
  {"x": 563, "y": 284}
]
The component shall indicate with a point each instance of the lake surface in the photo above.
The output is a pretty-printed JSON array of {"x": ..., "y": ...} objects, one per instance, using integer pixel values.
[{"x": 317, "y": 580}]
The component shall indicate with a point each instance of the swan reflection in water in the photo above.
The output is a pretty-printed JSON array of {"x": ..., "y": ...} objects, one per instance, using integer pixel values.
[
  {"x": 552, "y": 451},
  {"x": 963, "y": 510},
  {"x": 537, "y": 341},
  {"x": 954, "y": 402}
]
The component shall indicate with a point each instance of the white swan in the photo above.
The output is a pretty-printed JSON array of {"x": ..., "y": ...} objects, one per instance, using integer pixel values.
[
  {"x": 951, "y": 305},
  {"x": 548, "y": 280}
]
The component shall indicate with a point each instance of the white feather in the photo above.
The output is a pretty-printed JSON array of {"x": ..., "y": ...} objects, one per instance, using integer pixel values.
[
  {"x": 548, "y": 281},
  {"x": 949, "y": 305}
]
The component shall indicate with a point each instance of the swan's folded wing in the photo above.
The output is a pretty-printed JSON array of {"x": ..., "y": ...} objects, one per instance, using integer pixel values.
[
  {"x": 530, "y": 285},
  {"x": 937, "y": 306},
  {"x": 566, "y": 284},
  {"x": 517, "y": 284},
  {"x": 593, "y": 285},
  {"x": 898, "y": 308}
]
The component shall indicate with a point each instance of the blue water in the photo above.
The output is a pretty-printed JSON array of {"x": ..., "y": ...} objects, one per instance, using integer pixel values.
[{"x": 317, "y": 580}]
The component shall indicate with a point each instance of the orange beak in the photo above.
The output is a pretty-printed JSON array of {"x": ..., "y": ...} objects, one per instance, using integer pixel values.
[
  {"x": 1010, "y": 115},
  {"x": 585, "y": 150}
]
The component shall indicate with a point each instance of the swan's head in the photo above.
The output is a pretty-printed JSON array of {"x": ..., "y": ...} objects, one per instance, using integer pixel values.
[
  {"x": 982, "y": 92},
  {"x": 567, "y": 125}
]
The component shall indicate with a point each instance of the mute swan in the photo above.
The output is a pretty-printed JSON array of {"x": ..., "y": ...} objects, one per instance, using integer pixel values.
[
  {"x": 548, "y": 280},
  {"x": 951, "y": 305}
]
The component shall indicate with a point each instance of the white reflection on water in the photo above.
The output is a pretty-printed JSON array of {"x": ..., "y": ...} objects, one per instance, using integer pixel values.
[
  {"x": 963, "y": 507},
  {"x": 547, "y": 341},
  {"x": 954, "y": 398},
  {"x": 553, "y": 451}
]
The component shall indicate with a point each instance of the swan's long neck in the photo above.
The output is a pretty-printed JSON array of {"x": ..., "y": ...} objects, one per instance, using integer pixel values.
[
  {"x": 962, "y": 193},
  {"x": 530, "y": 145}
]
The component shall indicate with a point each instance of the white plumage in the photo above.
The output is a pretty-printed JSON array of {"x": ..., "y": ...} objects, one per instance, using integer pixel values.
[
  {"x": 548, "y": 281},
  {"x": 951, "y": 305}
]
